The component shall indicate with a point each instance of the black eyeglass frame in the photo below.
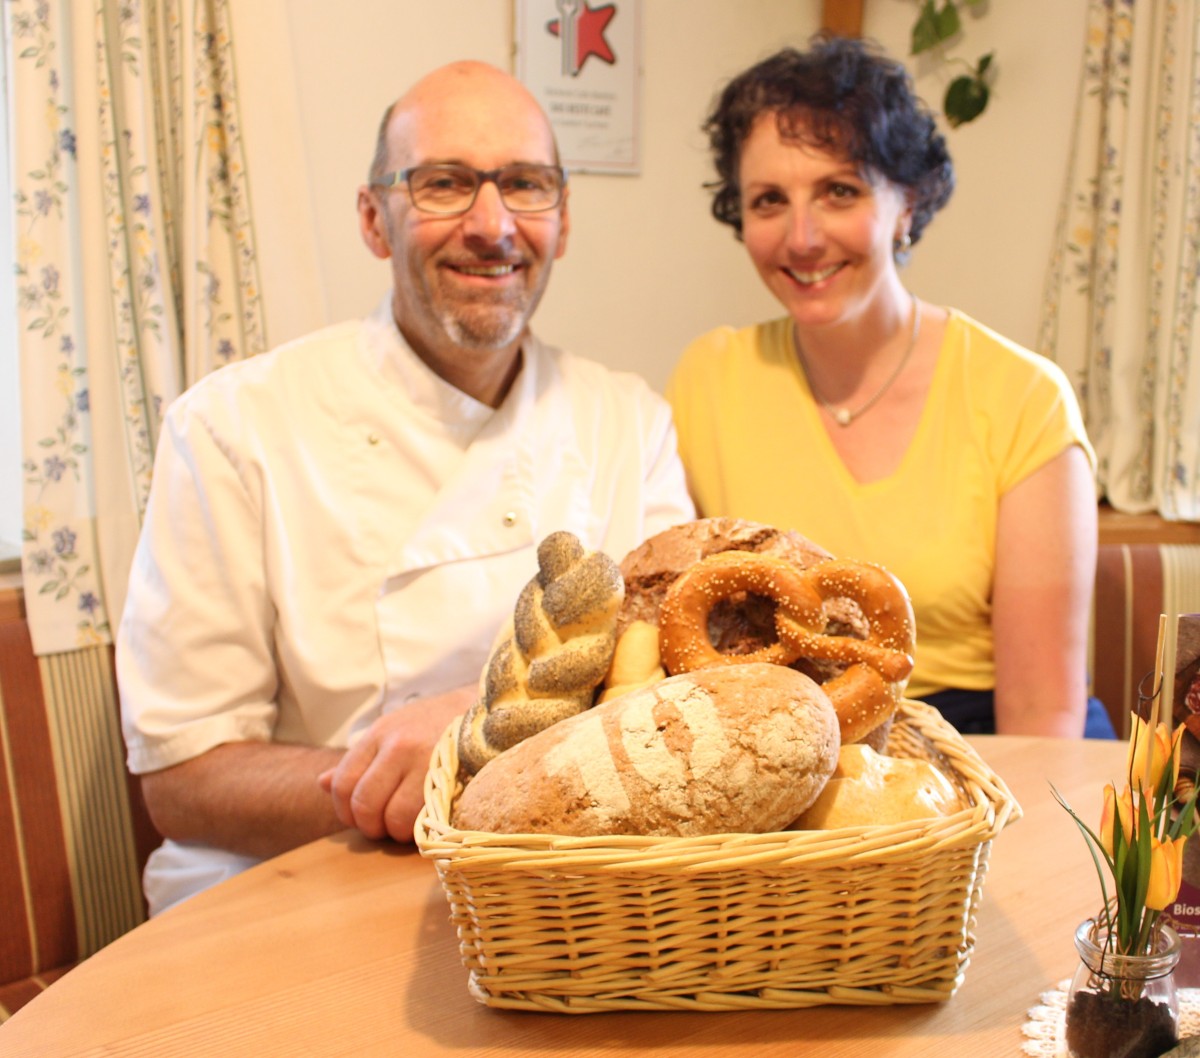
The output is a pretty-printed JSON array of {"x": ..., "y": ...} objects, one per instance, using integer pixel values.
[{"x": 399, "y": 177}]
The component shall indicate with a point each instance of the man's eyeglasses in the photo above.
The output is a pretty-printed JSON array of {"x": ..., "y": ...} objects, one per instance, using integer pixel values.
[{"x": 450, "y": 189}]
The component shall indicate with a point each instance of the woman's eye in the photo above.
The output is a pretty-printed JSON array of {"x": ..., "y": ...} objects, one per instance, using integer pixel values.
[
  {"x": 766, "y": 200},
  {"x": 843, "y": 192}
]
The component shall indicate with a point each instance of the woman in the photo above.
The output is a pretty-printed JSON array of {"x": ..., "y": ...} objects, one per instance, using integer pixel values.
[{"x": 882, "y": 427}]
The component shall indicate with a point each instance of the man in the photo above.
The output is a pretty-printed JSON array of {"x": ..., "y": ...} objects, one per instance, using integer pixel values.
[{"x": 337, "y": 528}]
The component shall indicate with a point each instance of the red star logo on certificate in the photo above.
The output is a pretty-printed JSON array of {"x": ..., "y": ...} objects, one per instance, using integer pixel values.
[{"x": 584, "y": 35}]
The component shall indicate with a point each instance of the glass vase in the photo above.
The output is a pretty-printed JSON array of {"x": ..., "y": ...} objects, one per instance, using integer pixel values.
[{"x": 1122, "y": 1006}]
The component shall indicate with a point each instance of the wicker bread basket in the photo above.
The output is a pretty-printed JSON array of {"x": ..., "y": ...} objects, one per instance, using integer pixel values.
[{"x": 865, "y": 915}]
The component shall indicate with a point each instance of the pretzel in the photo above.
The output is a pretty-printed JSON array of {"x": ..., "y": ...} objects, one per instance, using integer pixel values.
[
  {"x": 866, "y": 692},
  {"x": 560, "y": 645}
]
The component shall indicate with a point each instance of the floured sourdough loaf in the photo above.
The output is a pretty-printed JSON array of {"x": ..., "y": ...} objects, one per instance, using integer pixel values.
[{"x": 736, "y": 749}]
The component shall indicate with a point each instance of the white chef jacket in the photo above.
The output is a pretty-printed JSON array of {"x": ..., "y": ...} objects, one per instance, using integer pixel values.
[{"x": 333, "y": 530}]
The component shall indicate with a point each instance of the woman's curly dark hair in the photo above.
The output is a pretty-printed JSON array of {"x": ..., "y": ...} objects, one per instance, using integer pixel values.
[{"x": 841, "y": 95}]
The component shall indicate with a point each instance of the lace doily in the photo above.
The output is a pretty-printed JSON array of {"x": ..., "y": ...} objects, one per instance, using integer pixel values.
[{"x": 1044, "y": 1029}]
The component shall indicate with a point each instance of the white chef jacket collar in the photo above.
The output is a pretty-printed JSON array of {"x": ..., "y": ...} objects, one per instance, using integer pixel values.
[{"x": 394, "y": 358}]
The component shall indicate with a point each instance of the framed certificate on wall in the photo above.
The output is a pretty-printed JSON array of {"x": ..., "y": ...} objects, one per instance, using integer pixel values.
[{"x": 582, "y": 60}]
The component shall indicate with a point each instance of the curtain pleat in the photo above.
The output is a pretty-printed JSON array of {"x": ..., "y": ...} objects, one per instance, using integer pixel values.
[
  {"x": 1120, "y": 303},
  {"x": 136, "y": 272}
]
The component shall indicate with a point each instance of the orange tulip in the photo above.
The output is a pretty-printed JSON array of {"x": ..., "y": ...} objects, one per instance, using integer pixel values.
[
  {"x": 1166, "y": 872},
  {"x": 1150, "y": 754},
  {"x": 1116, "y": 808}
]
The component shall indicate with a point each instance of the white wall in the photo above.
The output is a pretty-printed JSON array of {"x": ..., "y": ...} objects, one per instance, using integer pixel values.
[
  {"x": 10, "y": 408},
  {"x": 988, "y": 251},
  {"x": 647, "y": 268}
]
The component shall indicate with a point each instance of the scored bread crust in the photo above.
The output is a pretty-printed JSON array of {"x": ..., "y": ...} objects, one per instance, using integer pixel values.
[{"x": 737, "y": 749}]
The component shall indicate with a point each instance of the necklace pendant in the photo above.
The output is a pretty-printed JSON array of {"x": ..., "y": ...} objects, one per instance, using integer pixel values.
[{"x": 845, "y": 416}]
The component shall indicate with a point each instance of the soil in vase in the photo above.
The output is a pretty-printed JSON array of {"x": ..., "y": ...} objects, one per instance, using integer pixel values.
[{"x": 1105, "y": 1026}]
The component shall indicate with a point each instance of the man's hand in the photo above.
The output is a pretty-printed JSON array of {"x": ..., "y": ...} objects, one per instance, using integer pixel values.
[{"x": 378, "y": 785}]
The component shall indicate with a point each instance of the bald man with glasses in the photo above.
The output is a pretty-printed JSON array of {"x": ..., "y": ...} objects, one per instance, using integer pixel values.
[{"x": 337, "y": 528}]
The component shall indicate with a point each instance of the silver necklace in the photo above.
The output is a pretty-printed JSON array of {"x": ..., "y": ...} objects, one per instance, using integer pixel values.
[{"x": 845, "y": 416}]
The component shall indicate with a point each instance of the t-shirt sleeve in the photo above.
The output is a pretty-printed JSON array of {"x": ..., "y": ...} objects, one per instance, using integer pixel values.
[{"x": 1041, "y": 420}]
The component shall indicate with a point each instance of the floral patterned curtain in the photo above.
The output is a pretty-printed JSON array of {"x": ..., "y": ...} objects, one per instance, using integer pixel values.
[
  {"x": 136, "y": 272},
  {"x": 1120, "y": 307}
]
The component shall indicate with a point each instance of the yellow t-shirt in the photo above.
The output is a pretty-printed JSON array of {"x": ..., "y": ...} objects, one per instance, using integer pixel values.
[{"x": 754, "y": 447}]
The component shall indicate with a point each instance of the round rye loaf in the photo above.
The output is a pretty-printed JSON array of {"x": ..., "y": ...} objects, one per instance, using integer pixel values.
[
  {"x": 654, "y": 565},
  {"x": 735, "y": 749}
]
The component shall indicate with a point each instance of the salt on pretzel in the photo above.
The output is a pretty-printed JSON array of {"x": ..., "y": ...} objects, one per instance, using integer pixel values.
[
  {"x": 560, "y": 646},
  {"x": 866, "y": 692}
]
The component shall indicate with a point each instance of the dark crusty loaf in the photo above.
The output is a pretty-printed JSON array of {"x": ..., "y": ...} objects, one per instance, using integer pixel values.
[
  {"x": 654, "y": 565},
  {"x": 739, "y": 749}
]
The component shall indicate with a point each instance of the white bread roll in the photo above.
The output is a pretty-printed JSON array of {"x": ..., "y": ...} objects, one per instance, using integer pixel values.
[
  {"x": 738, "y": 749},
  {"x": 636, "y": 661},
  {"x": 869, "y": 789}
]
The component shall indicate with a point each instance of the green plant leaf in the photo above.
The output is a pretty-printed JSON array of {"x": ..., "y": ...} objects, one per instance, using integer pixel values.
[
  {"x": 948, "y": 22},
  {"x": 966, "y": 99},
  {"x": 925, "y": 29}
]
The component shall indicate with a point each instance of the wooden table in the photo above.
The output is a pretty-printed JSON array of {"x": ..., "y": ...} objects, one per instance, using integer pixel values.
[{"x": 344, "y": 947}]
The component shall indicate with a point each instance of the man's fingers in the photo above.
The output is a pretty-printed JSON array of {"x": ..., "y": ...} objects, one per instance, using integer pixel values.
[
  {"x": 370, "y": 798},
  {"x": 346, "y": 777},
  {"x": 401, "y": 814}
]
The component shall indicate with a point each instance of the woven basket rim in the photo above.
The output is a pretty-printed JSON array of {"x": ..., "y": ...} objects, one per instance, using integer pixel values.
[{"x": 991, "y": 807}]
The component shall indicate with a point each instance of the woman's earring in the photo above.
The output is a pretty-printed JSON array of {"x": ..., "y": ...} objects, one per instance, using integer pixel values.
[{"x": 903, "y": 244}]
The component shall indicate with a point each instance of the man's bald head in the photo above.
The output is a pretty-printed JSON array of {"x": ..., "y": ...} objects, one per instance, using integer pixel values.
[{"x": 456, "y": 84}]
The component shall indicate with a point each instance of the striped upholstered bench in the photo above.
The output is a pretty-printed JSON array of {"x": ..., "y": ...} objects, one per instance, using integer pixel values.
[
  {"x": 1135, "y": 582},
  {"x": 74, "y": 833}
]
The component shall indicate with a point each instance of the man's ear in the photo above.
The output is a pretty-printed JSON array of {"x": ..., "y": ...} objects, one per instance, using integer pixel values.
[
  {"x": 564, "y": 226},
  {"x": 371, "y": 224}
]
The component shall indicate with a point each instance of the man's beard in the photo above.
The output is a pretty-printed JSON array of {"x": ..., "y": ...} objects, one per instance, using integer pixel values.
[
  {"x": 486, "y": 324},
  {"x": 484, "y": 327}
]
